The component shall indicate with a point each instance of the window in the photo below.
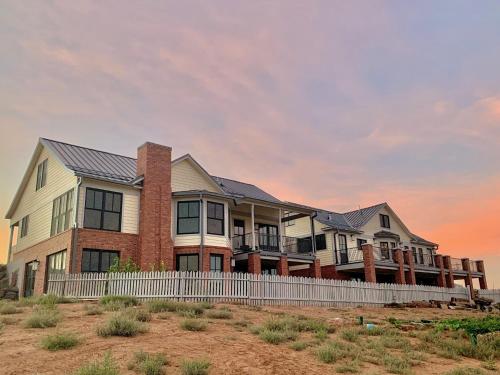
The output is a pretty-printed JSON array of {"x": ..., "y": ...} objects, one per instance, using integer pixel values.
[
  {"x": 188, "y": 262},
  {"x": 41, "y": 175},
  {"x": 361, "y": 242},
  {"x": 393, "y": 245},
  {"x": 103, "y": 210},
  {"x": 421, "y": 255},
  {"x": 384, "y": 250},
  {"x": 56, "y": 264},
  {"x": 414, "y": 252},
  {"x": 215, "y": 218},
  {"x": 288, "y": 223},
  {"x": 188, "y": 217},
  {"x": 24, "y": 226},
  {"x": 216, "y": 262},
  {"x": 384, "y": 221},
  {"x": 320, "y": 242},
  {"x": 62, "y": 209},
  {"x": 98, "y": 260},
  {"x": 342, "y": 242}
]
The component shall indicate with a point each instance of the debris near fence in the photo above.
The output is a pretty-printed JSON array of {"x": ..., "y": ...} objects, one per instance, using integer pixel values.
[{"x": 6, "y": 291}]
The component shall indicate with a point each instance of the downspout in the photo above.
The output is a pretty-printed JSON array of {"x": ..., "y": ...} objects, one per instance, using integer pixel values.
[
  {"x": 313, "y": 234},
  {"x": 202, "y": 232},
  {"x": 75, "y": 229}
]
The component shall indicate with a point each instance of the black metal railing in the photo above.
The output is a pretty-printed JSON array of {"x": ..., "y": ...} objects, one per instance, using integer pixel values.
[
  {"x": 269, "y": 242},
  {"x": 383, "y": 254},
  {"x": 349, "y": 255}
]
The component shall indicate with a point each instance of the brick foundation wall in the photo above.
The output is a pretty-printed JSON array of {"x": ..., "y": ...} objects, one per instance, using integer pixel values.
[
  {"x": 369, "y": 263},
  {"x": 330, "y": 272},
  {"x": 155, "y": 214},
  {"x": 282, "y": 266},
  {"x": 40, "y": 251},
  {"x": 314, "y": 270},
  {"x": 254, "y": 264},
  {"x": 125, "y": 243},
  {"x": 207, "y": 251}
]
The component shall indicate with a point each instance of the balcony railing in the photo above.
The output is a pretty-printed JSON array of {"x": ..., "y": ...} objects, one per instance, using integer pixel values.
[
  {"x": 350, "y": 255},
  {"x": 383, "y": 254},
  {"x": 268, "y": 242},
  {"x": 456, "y": 264},
  {"x": 425, "y": 260}
]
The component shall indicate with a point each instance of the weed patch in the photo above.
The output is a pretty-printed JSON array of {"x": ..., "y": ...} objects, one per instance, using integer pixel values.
[
  {"x": 43, "y": 318},
  {"x": 195, "y": 367},
  {"x": 121, "y": 325},
  {"x": 105, "y": 367},
  {"x": 148, "y": 364},
  {"x": 8, "y": 309},
  {"x": 194, "y": 325},
  {"x": 114, "y": 303},
  {"x": 92, "y": 309},
  {"x": 299, "y": 346},
  {"x": 59, "y": 341},
  {"x": 219, "y": 314},
  {"x": 466, "y": 371}
]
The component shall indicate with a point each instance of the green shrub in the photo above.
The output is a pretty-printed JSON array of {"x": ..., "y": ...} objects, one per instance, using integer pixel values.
[
  {"x": 351, "y": 368},
  {"x": 466, "y": 371},
  {"x": 148, "y": 364},
  {"x": 327, "y": 354},
  {"x": 194, "y": 325},
  {"x": 105, "y": 367},
  {"x": 140, "y": 315},
  {"x": 59, "y": 341},
  {"x": 206, "y": 305},
  {"x": 195, "y": 367},
  {"x": 52, "y": 299},
  {"x": 181, "y": 308},
  {"x": 8, "y": 309},
  {"x": 350, "y": 335},
  {"x": 277, "y": 337},
  {"x": 43, "y": 318},
  {"x": 219, "y": 314},
  {"x": 123, "y": 301},
  {"x": 121, "y": 325},
  {"x": 299, "y": 346},
  {"x": 91, "y": 309},
  {"x": 473, "y": 326},
  {"x": 396, "y": 365},
  {"x": 127, "y": 266}
]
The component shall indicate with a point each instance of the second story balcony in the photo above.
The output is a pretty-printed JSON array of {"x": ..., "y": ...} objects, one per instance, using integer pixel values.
[{"x": 270, "y": 243}]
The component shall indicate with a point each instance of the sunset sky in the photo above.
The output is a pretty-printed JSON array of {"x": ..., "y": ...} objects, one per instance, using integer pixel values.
[{"x": 336, "y": 104}]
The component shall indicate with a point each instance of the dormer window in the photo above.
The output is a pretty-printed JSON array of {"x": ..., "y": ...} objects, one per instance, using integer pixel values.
[
  {"x": 41, "y": 175},
  {"x": 384, "y": 221}
]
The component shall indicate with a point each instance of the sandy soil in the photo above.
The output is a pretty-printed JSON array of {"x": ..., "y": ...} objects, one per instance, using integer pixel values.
[{"x": 229, "y": 350}]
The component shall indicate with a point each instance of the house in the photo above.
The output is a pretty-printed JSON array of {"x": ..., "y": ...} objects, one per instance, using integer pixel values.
[
  {"x": 374, "y": 244},
  {"x": 79, "y": 209}
]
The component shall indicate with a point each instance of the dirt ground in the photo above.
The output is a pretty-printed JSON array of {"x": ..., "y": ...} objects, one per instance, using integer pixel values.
[{"x": 229, "y": 349}]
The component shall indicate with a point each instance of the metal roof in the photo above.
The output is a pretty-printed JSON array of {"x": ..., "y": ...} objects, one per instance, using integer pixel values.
[
  {"x": 360, "y": 217},
  {"x": 93, "y": 163},
  {"x": 242, "y": 189},
  {"x": 334, "y": 220}
]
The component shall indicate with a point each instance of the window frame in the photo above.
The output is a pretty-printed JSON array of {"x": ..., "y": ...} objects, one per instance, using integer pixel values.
[
  {"x": 67, "y": 214},
  {"x": 99, "y": 265},
  {"x": 24, "y": 224},
  {"x": 223, "y": 221},
  {"x": 383, "y": 221},
  {"x": 179, "y": 256},
  {"x": 41, "y": 175},
  {"x": 320, "y": 238},
  {"x": 345, "y": 242},
  {"x": 48, "y": 268},
  {"x": 187, "y": 217},
  {"x": 103, "y": 209},
  {"x": 217, "y": 256}
]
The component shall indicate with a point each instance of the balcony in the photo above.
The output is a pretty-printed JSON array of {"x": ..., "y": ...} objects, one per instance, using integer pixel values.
[
  {"x": 270, "y": 243},
  {"x": 456, "y": 264},
  {"x": 349, "y": 256},
  {"x": 425, "y": 260}
]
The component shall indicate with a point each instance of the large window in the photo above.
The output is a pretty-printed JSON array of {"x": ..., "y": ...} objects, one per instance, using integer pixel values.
[
  {"x": 304, "y": 244},
  {"x": 188, "y": 262},
  {"x": 384, "y": 221},
  {"x": 98, "y": 260},
  {"x": 215, "y": 218},
  {"x": 62, "y": 210},
  {"x": 188, "y": 217},
  {"x": 103, "y": 210},
  {"x": 56, "y": 264},
  {"x": 24, "y": 226},
  {"x": 361, "y": 242},
  {"x": 320, "y": 242},
  {"x": 342, "y": 242},
  {"x": 216, "y": 263},
  {"x": 41, "y": 175}
]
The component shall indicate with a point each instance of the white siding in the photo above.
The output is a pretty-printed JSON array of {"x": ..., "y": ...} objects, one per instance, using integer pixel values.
[
  {"x": 38, "y": 204},
  {"x": 130, "y": 205},
  {"x": 195, "y": 239},
  {"x": 373, "y": 226},
  {"x": 185, "y": 177}
]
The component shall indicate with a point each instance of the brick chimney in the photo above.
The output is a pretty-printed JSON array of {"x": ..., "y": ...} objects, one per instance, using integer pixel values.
[{"x": 155, "y": 237}]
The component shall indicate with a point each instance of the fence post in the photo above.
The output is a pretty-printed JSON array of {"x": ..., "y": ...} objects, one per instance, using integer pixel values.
[{"x": 64, "y": 285}]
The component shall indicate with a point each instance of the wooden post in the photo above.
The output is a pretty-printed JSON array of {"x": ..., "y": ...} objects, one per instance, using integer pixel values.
[{"x": 253, "y": 227}]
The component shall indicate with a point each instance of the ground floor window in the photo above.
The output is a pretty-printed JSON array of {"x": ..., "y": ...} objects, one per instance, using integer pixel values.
[
  {"x": 56, "y": 264},
  {"x": 98, "y": 260},
  {"x": 187, "y": 262},
  {"x": 216, "y": 263}
]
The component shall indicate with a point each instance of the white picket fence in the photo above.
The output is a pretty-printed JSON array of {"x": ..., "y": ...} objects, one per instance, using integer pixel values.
[
  {"x": 244, "y": 288},
  {"x": 493, "y": 294}
]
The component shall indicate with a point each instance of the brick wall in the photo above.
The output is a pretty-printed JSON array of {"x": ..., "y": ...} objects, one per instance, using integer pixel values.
[
  {"x": 155, "y": 238},
  {"x": 125, "y": 243},
  {"x": 330, "y": 272},
  {"x": 207, "y": 251}
]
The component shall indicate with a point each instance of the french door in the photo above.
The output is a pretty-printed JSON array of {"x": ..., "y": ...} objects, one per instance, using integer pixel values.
[{"x": 29, "y": 280}]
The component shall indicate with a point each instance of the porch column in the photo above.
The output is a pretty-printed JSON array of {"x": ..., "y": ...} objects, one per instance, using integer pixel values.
[
  {"x": 10, "y": 243},
  {"x": 315, "y": 269},
  {"x": 450, "y": 280},
  {"x": 438, "y": 261},
  {"x": 482, "y": 279},
  {"x": 254, "y": 247},
  {"x": 410, "y": 277},
  {"x": 313, "y": 236},
  {"x": 254, "y": 265},
  {"x": 283, "y": 266},
  {"x": 468, "y": 278},
  {"x": 280, "y": 231},
  {"x": 369, "y": 262},
  {"x": 398, "y": 259}
]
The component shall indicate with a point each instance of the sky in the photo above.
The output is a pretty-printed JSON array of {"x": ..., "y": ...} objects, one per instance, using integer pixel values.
[{"x": 334, "y": 104}]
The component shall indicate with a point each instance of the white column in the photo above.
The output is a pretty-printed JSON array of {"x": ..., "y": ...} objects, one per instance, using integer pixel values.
[
  {"x": 253, "y": 226},
  {"x": 10, "y": 243},
  {"x": 280, "y": 232}
]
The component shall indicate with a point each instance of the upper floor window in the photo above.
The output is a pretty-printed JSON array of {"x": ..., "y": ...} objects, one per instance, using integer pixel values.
[
  {"x": 188, "y": 217},
  {"x": 103, "y": 210},
  {"x": 215, "y": 218},
  {"x": 41, "y": 175},
  {"x": 62, "y": 212},
  {"x": 24, "y": 226},
  {"x": 384, "y": 221},
  {"x": 320, "y": 241}
]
